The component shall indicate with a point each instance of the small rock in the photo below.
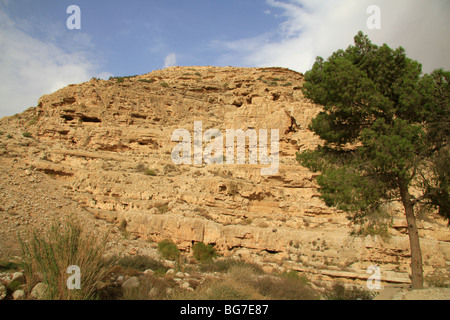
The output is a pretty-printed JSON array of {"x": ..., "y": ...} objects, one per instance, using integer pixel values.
[
  {"x": 187, "y": 286},
  {"x": 38, "y": 292},
  {"x": 18, "y": 295},
  {"x": 149, "y": 272},
  {"x": 133, "y": 282},
  {"x": 153, "y": 292},
  {"x": 170, "y": 271},
  {"x": 19, "y": 277},
  {"x": 2, "y": 292},
  {"x": 179, "y": 274}
]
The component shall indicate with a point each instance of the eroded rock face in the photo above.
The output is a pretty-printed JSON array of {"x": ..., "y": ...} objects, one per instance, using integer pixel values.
[{"x": 109, "y": 144}]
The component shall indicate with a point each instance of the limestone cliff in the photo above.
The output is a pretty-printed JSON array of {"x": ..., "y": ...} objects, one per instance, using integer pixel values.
[{"x": 107, "y": 146}]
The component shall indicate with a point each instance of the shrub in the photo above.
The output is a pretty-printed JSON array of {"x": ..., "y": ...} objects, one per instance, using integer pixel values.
[
  {"x": 203, "y": 252},
  {"x": 150, "y": 172},
  {"x": 8, "y": 266},
  {"x": 339, "y": 292},
  {"x": 146, "y": 80},
  {"x": 150, "y": 288},
  {"x": 48, "y": 254},
  {"x": 33, "y": 121},
  {"x": 227, "y": 289},
  {"x": 168, "y": 250},
  {"x": 284, "y": 288},
  {"x": 224, "y": 265},
  {"x": 141, "y": 263},
  {"x": 26, "y": 134}
]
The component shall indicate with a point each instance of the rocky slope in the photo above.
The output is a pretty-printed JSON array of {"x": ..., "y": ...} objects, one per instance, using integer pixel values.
[{"x": 102, "y": 149}]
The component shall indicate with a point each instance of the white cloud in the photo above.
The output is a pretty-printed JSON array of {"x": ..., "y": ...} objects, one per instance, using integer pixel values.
[
  {"x": 170, "y": 60},
  {"x": 30, "y": 68},
  {"x": 313, "y": 28}
]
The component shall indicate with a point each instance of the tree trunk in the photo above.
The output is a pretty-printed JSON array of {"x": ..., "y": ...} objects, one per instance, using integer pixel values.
[{"x": 414, "y": 241}]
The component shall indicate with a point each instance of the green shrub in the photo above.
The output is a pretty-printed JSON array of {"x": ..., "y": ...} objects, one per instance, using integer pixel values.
[
  {"x": 26, "y": 134},
  {"x": 224, "y": 265},
  {"x": 48, "y": 253},
  {"x": 146, "y": 80},
  {"x": 141, "y": 263},
  {"x": 168, "y": 250},
  {"x": 203, "y": 252},
  {"x": 164, "y": 84},
  {"x": 150, "y": 172},
  {"x": 8, "y": 266}
]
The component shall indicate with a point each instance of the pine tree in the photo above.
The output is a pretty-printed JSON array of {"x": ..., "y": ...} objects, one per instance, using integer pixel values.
[{"x": 385, "y": 128}]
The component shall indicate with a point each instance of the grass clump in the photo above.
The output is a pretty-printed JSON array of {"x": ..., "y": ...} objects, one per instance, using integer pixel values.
[
  {"x": 47, "y": 256},
  {"x": 168, "y": 250}
]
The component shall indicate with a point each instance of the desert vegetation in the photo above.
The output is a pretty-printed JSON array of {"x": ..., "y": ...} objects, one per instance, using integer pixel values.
[{"x": 201, "y": 276}]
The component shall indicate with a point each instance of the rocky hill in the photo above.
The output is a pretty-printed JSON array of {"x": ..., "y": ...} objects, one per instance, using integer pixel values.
[{"x": 103, "y": 151}]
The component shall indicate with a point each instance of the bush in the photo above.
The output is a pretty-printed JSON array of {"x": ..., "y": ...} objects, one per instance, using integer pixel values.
[
  {"x": 168, "y": 250},
  {"x": 26, "y": 134},
  {"x": 141, "y": 263},
  {"x": 203, "y": 252},
  {"x": 150, "y": 288},
  {"x": 284, "y": 288},
  {"x": 150, "y": 172},
  {"x": 218, "y": 289},
  {"x": 224, "y": 265},
  {"x": 47, "y": 255},
  {"x": 8, "y": 266},
  {"x": 339, "y": 292}
]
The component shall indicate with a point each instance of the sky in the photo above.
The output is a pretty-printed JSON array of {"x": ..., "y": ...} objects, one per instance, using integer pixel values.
[{"x": 41, "y": 52}]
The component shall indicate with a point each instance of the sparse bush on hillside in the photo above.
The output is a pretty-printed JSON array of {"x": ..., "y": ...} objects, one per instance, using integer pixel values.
[
  {"x": 150, "y": 172},
  {"x": 203, "y": 252},
  {"x": 48, "y": 253},
  {"x": 168, "y": 250},
  {"x": 141, "y": 263},
  {"x": 224, "y": 265},
  {"x": 150, "y": 288},
  {"x": 339, "y": 292}
]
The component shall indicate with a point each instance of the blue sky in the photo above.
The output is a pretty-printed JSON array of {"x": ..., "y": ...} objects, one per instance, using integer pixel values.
[{"x": 39, "y": 54}]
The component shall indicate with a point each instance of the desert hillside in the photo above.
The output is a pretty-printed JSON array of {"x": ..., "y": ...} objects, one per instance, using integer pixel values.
[{"x": 103, "y": 150}]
